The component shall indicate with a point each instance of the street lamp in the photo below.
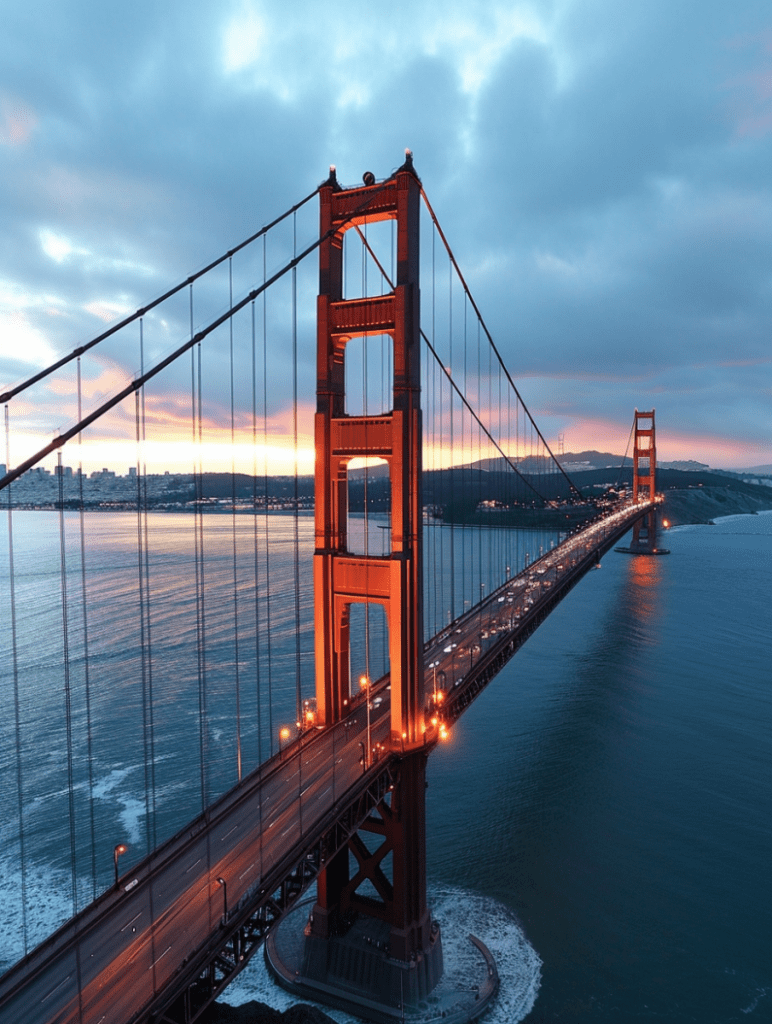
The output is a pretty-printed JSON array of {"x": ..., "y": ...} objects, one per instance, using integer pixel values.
[
  {"x": 364, "y": 682},
  {"x": 224, "y": 886},
  {"x": 434, "y": 666},
  {"x": 120, "y": 849}
]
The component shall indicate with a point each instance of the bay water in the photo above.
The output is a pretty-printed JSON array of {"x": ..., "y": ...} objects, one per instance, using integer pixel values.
[{"x": 601, "y": 817}]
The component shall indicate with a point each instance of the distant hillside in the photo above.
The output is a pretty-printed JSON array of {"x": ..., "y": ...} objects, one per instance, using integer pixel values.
[
  {"x": 570, "y": 461},
  {"x": 486, "y": 496},
  {"x": 689, "y": 465},
  {"x": 755, "y": 470},
  {"x": 692, "y": 496}
]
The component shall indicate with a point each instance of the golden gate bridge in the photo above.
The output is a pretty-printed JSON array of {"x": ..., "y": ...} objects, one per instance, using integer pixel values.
[{"x": 426, "y": 462}]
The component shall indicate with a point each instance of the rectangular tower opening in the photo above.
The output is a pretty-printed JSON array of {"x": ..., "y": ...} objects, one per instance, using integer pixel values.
[
  {"x": 368, "y": 527},
  {"x": 369, "y": 375},
  {"x": 369, "y": 257},
  {"x": 369, "y": 651}
]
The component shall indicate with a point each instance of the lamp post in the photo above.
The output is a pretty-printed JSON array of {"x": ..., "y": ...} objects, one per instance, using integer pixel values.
[
  {"x": 364, "y": 682},
  {"x": 120, "y": 849},
  {"x": 224, "y": 886}
]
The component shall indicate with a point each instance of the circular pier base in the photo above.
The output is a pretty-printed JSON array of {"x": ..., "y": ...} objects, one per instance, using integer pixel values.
[
  {"x": 354, "y": 972},
  {"x": 643, "y": 551}
]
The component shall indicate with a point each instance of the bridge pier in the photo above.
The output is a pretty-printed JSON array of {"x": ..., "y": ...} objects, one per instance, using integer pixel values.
[{"x": 644, "y": 539}]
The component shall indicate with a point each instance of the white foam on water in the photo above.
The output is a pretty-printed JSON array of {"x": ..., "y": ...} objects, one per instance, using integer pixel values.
[
  {"x": 104, "y": 787},
  {"x": 761, "y": 993},
  {"x": 461, "y": 912},
  {"x": 49, "y": 905},
  {"x": 458, "y": 911},
  {"x": 132, "y": 809}
]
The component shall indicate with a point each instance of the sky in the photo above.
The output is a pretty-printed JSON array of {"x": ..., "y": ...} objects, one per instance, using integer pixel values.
[{"x": 603, "y": 172}]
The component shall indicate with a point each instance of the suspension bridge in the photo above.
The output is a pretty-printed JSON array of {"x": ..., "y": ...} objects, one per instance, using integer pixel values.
[{"x": 217, "y": 697}]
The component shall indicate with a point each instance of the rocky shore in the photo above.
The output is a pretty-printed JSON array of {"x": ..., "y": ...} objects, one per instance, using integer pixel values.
[
  {"x": 704, "y": 504},
  {"x": 259, "y": 1013}
]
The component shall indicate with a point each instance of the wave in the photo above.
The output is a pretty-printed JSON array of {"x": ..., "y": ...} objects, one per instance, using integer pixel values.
[{"x": 518, "y": 963}]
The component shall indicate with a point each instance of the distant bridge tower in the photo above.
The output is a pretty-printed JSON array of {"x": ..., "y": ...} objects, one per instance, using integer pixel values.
[
  {"x": 644, "y": 457},
  {"x": 407, "y": 935},
  {"x": 644, "y": 540}
]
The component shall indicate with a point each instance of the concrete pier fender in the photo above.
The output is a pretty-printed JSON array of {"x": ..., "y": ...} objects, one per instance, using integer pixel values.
[{"x": 355, "y": 973}]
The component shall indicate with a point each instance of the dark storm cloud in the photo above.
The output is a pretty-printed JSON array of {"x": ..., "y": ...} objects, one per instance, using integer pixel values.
[
  {"x": 620, "y": 213},
  {"x": 601, "y": 170}
]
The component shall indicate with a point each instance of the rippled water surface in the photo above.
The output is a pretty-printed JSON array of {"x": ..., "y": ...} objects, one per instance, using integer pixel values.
[
  {"x": 601, "y": 817},
  {"x": 613, "y": 787}
]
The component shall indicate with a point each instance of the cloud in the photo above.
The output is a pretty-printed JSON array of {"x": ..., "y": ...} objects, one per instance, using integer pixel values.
[
  {"x": 17, "y": 121},
  {"x": 601, "y": 172}
]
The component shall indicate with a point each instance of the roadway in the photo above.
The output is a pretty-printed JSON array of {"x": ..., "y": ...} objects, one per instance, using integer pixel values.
[{"x": 457, "y": 658}]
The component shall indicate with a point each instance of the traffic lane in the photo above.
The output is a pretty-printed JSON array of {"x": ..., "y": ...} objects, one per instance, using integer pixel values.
[
  {"x": 460, "y": 647},
  {"x": 172, "y": 909},
  {"x": 154, "y": 957},
  {"x": 52, "y": 996},
  {"x": 187, "y": 922}
]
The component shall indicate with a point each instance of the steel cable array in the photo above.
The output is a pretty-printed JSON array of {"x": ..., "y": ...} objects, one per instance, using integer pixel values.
[{"x": 223, "y": 678}]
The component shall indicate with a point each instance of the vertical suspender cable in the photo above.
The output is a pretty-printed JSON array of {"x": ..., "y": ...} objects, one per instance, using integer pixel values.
[
  {"x": 476, "y": 537},
  {"x": 233, "y": 530},
  {"x": 466, "y": 454},
  {"x": 142, "y": 635},
  {"x": 499, "y": 538},
  {"x": 143, "y": 566},
  {"x": 67, "y": 687},
  {"x": 256, "y": 541},
  {"x": 490, "y": 420},
  {"x": 195, "y": 399},
  {"x": 152, "y": 824},
  {"x": 16, "y": 699},
  {"x": 452, "y": 450},
  {"x": 296, "y": 537},
  {"x": 86, "y": 667},
  {"x": 265, "y": 520},
  {"x": 436, "y": 494},
  {"x": 296, "y": 518}
]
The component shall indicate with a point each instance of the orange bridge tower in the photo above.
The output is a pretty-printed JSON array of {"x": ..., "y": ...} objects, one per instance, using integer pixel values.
[
  {"x": 644, "y": 539},
  {"x": 402, "y": 959}
]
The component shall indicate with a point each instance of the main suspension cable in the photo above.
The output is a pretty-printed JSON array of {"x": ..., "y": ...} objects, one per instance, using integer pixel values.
[
  {"x": 461, "y": 395},
  {"x": 137, "y": 383},
  {"x": 42, "y": 374},
  {"x": 575, "y": 490}
]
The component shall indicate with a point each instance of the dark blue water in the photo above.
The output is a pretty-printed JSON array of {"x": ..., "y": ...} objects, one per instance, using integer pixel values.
[
  {"x": 613, "y": 787},
  {"x": 601, "y": 816}
]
